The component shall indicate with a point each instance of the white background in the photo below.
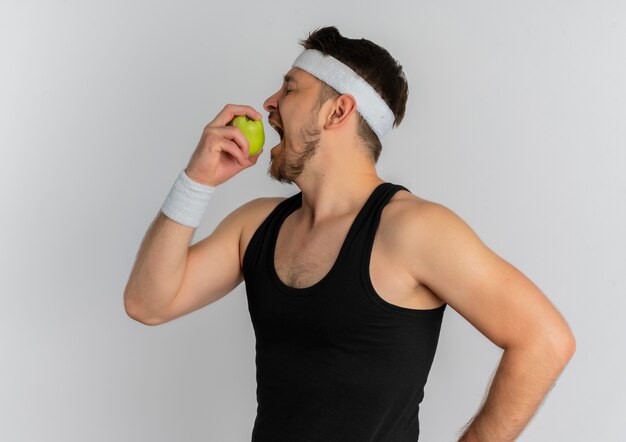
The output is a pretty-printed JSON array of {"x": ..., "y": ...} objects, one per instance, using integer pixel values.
[{"x": 515, "y": 120}]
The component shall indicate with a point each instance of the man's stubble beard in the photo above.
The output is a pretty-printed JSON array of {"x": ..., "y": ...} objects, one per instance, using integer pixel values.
[{"x": 286, "y": 170}]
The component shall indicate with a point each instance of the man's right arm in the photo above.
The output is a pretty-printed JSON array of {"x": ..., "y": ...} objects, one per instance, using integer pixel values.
[
  {"x": 158, "y": 270},
  {"x": 170, "y": 278}
]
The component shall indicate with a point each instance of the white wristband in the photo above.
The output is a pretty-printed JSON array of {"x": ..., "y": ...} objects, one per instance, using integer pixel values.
[{"x": 187, "y": 201}]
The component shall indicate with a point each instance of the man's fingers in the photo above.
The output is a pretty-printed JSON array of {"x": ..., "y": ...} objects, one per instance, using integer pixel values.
[
  {"x": 253, "y": 159},
  {"x": 235, "y": 134},
  {"x": 234, "y": 150},
  {"x": 230, "y": 111}
]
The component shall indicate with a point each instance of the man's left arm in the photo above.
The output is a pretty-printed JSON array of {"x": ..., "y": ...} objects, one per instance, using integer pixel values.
[{"x": 448, "y": 257}]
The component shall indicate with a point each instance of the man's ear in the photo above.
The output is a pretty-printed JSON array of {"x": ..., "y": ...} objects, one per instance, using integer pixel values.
[{"x": 343, "y": 107}]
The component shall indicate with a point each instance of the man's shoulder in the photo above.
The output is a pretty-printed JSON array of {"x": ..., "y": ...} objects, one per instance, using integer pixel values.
[
  {"x": 261, "y": 206},
  {"x": 256, "y": 210},
  {"x": 405, "y": 208},
  {"x": 423, "y": 236},
  {"x": 263, "y": 202},
  {"x": 408, "y": 221}
]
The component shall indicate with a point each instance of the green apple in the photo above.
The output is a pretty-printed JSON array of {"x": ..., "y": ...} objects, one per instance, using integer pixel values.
[{"x": 252, "y": 130}]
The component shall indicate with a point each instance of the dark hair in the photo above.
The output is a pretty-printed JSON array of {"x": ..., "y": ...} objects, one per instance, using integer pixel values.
[{"x": 375, "y": 65}]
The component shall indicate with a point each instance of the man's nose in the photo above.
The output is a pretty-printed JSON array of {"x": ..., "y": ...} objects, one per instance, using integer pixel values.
[{"x": 271, "y": 104}]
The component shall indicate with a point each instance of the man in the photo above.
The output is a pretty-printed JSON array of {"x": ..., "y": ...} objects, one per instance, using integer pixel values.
[{"x": 346, "y": 281}]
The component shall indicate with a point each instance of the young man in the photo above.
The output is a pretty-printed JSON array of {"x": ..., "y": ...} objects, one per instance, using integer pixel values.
[{"x": 347, "y": 281}]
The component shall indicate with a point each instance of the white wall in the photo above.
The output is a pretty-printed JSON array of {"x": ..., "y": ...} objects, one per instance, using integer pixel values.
[{"x": 515, "y": 121}]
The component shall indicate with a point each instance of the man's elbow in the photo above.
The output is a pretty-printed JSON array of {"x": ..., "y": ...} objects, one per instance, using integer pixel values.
[
  {"x": 567, "y": 345},
  {"x": 562, "y": 345},
  {"x": 134, "y": 313},
  {"x": 554, "y": 345}
]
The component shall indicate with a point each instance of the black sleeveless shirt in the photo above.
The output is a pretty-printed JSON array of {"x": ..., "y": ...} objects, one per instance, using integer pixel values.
[{"x": 335, "y": 361}]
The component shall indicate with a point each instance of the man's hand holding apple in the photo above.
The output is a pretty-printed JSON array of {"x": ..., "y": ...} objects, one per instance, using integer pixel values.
[{"x": 223, "y": 150}]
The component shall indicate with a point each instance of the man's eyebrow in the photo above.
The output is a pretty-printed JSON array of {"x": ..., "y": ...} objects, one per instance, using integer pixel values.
[{"x": 287, "y": 78}]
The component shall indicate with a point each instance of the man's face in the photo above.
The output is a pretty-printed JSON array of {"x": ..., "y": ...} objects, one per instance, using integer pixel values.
[{"x": 294, "y": 111}]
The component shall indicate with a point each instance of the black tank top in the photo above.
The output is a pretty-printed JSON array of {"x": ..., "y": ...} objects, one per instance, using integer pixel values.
[{"x": 335, "y": 361}]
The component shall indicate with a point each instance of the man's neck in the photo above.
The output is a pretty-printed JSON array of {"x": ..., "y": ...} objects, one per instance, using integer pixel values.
[{"x": 334, "y": 196}]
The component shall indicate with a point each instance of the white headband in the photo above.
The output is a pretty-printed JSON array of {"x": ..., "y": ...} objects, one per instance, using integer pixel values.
[{"x": 344, "y": 80}]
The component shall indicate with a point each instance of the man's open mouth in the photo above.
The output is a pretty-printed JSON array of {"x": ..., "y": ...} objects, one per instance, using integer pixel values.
[{"x": 277, "y": 128}]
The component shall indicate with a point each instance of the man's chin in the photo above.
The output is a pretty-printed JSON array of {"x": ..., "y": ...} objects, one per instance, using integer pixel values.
[
  {"x": 272, "y": 155},
  {"x": 276, "y": 169}
]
